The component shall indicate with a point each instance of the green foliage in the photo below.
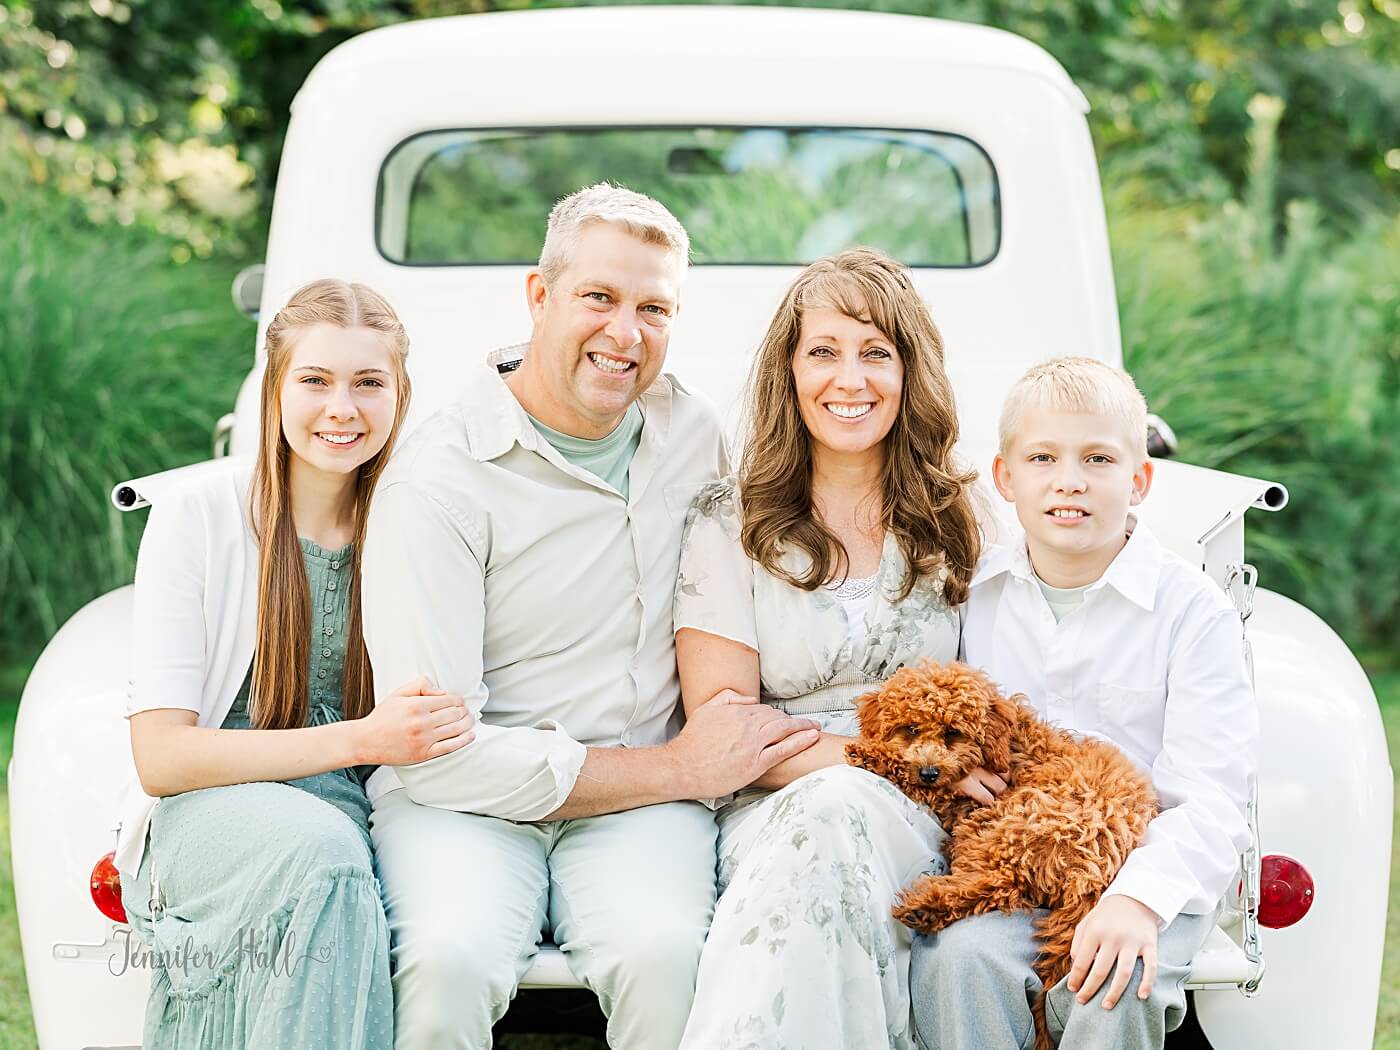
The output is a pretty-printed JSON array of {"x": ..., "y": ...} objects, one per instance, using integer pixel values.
[
  {"x": 170, "y": 115},
  {"x": 116, "y": 364},
  {"x": 1280, "y": 362}
]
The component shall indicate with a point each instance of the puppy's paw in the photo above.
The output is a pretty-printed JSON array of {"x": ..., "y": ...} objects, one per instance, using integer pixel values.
[
  {"x": 918, "y": 919},
  {"x": 919, "y": 907}
]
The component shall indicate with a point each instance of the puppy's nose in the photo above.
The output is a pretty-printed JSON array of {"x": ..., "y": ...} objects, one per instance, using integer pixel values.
[{"x": 928, "y": 774}]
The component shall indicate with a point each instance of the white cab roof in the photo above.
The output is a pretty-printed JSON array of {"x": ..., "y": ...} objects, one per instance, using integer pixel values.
[{"x": 657, "y": 39}]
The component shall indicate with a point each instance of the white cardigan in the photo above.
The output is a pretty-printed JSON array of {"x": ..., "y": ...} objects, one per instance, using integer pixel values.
[{"x": 194, "y": 618}]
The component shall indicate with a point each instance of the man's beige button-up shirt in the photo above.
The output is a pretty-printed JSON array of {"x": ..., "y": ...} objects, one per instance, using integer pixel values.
[{"x": 532, "y": 588}]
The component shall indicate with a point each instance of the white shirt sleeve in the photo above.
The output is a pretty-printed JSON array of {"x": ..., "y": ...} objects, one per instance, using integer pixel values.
[
  {"x": 168, "y": 617},
  {"x": 423, "y": 608},
  {"x": 1209, "y": 743}
]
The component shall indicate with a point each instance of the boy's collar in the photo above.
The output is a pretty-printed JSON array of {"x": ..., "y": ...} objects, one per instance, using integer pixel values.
[{"x": 1133, "y": 573}]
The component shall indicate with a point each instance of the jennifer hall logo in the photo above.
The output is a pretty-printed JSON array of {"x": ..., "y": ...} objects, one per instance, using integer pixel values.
[{"x": 276, "y": 955}]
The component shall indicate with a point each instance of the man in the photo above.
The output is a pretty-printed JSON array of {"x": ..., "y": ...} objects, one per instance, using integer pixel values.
[{"x": 522, "y": 551}]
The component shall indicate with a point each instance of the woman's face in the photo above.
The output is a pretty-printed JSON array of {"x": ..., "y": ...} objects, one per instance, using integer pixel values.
[
  {"x": 849, "y": 377},
  {"x": 338, "y": 397}
]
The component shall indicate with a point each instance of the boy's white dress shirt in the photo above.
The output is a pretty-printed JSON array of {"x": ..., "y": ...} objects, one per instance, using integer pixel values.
[{"x": 1153, "y": 661}]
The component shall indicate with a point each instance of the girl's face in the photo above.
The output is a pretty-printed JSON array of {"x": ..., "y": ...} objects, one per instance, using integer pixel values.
[
  {"x": 338, "y": 397},
  {"x": 849, "y": 377}
]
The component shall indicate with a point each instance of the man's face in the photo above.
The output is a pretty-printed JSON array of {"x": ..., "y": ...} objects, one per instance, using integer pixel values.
[{"x": 600, "y": 330}]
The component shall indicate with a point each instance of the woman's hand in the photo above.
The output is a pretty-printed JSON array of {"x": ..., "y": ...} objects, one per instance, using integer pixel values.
[
  {"x": 981, "y": 786},
  {"x": 414, "y": 723}
]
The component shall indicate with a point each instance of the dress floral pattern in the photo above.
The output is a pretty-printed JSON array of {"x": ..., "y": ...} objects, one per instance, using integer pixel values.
[{"x": 803, "y": 953}]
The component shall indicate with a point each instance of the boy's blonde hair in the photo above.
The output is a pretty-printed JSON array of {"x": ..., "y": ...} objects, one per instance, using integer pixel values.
[
  {"x": 645, "y": 218},
  {"x": 1077, "y": 384}
]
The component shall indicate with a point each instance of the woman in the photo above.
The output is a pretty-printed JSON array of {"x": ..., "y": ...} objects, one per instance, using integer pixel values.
[
  {"x": 839, "y": 554},
  {"x": 250, "y": 880}
]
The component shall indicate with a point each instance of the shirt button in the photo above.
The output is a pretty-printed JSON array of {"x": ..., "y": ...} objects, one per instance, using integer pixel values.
[
  {"x": 335, "y": 565},
  {"x": 329, "y": 630},
  {"x": 329, "y": 607},
  {"x": 325, "y": 652},
  {"x": 320, "y": 674},
  {"x": 330, "y": 586}
]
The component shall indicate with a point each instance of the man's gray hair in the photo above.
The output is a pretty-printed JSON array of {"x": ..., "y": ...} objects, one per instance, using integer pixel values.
[{"x": 641, "y": 216}]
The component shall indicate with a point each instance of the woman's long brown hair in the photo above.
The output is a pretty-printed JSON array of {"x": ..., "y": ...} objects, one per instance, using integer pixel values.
[
  {"x": 926, "y": 500},
  {"x": 281, "y": 658}
]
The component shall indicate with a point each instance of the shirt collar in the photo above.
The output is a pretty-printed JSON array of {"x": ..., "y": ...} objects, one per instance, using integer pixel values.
[
  {"x": 1133, "y": 573},
  {"x": 495, "y": 420},
  {"x": 1136, "y": 570}
]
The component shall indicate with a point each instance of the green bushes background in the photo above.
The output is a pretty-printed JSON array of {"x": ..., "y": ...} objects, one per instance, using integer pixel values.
[{"x": 1250, "y": 153}]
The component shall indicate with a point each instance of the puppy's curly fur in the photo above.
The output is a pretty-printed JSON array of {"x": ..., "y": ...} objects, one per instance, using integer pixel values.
[{"x": 1072, "y": 812}]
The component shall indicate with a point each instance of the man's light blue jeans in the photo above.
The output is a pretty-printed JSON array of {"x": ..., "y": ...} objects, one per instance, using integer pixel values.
[{"x": 627, "y": 896}]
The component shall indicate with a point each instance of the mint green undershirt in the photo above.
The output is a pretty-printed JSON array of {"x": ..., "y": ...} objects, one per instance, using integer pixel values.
[
  {"x": 607, "y": 458},
  {"x": 1063, "y": 600}
]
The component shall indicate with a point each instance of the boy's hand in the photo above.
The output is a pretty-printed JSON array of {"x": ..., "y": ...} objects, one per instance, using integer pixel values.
[
  {"x": 981, "y": 786},
  {"x": 1118, "y": 930}
]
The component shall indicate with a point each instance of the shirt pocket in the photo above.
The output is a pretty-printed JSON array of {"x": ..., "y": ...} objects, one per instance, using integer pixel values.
[
  {"x": 679, "y": 497},
  {"x": 1133, "y": 717}
]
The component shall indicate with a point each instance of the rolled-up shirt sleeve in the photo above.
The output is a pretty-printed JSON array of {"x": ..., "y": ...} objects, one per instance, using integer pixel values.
[
  {"x": 1209, "y": 743},
  {"x": 423, "y": 607}
]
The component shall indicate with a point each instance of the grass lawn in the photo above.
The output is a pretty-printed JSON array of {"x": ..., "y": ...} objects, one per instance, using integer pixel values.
[
  {"x": 17, "y": 1029},
  {"x": 1387, "y": 684}
]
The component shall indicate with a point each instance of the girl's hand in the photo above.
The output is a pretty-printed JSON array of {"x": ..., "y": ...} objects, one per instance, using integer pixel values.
[
  {"x": 981, "y": 786},
  {"x": 414, "y": 723}
]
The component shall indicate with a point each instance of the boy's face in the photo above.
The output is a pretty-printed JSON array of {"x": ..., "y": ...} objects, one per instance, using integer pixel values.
[{"x": 1072, "y": 478}]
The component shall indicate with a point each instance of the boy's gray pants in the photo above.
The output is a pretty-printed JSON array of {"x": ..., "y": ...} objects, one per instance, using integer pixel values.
[{"x": 972, "y": 986}]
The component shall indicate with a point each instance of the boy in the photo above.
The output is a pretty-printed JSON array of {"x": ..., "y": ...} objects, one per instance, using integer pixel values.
[{"x": 1108, "y": 634}]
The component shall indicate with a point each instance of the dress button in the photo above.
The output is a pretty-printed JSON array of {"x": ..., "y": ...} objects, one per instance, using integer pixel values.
[
  {"x": 330, "y": 608},
  {"x": 320, "y": 674},
  {"x": 330, "y": 586},
  {"x": 329, "y": 630},
  {"x": 335, "y": 565},
  {"x": 325, "y": 652}
]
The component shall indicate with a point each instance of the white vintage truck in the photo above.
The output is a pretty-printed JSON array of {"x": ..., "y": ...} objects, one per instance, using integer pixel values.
[{"x": 422, "y": 159}]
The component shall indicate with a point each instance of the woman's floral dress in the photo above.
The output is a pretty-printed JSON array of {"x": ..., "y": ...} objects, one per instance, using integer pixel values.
[{"x": 803, "y": 953}]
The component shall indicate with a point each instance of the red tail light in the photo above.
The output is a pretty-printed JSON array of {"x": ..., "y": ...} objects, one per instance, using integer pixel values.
[
  {"x": 106, "y": 887},
  {"x": 1285, "y": 891}
]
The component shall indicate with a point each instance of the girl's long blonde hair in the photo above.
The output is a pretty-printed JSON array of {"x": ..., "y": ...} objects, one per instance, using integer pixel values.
[
  {"x": 281, "y": 659},
  {"x": 926, "y": 500}
]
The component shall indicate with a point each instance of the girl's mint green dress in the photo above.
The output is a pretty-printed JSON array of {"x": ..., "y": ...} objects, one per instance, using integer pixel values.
[{"x": 259, "y": 901}]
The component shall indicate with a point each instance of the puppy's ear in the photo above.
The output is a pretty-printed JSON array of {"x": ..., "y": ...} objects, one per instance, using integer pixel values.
[
  {"x": 996, "y": 746},
  {"x": 868, "y": 713},
  {"x": 865, "y": 755}
]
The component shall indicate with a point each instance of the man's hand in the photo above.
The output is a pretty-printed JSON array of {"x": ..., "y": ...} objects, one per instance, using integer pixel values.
[
  {"x": 981, "y": 786},
  {"x": 1118, "y": 930},
  {"x": 732, "y": 740}
]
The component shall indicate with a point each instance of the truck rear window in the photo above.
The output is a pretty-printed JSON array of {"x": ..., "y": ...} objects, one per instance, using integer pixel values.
[{"x": 745, "y": 195}]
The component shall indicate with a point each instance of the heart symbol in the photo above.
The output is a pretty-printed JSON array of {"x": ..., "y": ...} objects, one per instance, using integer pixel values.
[{"x": 324, "y": 952}]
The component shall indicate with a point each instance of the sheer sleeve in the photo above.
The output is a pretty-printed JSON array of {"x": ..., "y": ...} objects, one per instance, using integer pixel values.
[{"x": 714, "y": 590}]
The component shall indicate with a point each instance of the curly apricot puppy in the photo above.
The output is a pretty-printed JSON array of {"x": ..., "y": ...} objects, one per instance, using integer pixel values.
[{"x": 1072, "y": 812}]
